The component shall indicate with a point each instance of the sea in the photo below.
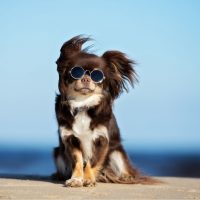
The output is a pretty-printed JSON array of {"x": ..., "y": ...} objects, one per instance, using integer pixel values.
[{"x": 39, "y": 162}]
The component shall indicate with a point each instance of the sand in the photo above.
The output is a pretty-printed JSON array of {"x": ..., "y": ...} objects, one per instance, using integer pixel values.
[{"x": 42, "y": 188}]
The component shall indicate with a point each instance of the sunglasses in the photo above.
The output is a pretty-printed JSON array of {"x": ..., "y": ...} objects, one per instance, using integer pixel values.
[{"x": 96, "y": 75}]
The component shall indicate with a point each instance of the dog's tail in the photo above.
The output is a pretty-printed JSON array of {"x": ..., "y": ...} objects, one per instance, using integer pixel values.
[{"x": 108, "y": 176}]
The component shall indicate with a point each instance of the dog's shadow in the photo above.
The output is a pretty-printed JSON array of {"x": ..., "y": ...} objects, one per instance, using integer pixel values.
[{"x": 30, "y": 177}]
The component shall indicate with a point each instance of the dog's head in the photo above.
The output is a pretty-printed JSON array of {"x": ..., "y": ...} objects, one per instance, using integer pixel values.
[{"x": 82, "y": 74}]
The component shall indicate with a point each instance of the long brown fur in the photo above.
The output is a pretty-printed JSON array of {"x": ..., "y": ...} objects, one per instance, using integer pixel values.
[{"x": 109, "y": 161}]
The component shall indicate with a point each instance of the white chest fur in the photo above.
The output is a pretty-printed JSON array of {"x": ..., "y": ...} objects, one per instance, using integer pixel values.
[{"x": 81, "y": 129}]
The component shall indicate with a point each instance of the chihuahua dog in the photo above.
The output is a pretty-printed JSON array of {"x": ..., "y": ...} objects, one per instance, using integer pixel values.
[{"x": 90, "y": 148}]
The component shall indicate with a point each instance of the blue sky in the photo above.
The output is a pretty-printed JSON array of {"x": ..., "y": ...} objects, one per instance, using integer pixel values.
[{"x": 161, "y": 112}]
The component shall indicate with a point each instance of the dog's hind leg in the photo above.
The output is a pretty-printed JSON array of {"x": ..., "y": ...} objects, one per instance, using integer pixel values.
[{"x": 119, "y": 169}]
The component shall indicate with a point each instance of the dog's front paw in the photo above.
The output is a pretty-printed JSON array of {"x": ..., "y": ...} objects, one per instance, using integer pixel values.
[
  {"x": 74, "y": 182},
  {"x": 89, "y": 183}
]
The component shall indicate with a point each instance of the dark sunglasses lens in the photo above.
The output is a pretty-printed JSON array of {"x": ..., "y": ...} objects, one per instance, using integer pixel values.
[
  {"x": 97, "y": 76},
  {"x": 77, "y": 72}
]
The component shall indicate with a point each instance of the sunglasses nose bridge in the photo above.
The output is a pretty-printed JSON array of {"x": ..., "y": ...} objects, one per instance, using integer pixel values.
[{"x": 87, "y": 72}]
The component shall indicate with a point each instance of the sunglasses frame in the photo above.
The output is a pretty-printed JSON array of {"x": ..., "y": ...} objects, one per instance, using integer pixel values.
[{"x": 90, "y": 72}]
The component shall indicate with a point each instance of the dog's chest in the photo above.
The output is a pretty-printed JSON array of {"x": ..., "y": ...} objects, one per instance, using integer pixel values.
[
  {"x": 81, "y": 129},
  {"x": 81, "y": 125}
]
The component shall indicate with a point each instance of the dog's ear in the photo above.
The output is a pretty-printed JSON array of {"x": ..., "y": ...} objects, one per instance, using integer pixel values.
[
  {"x": 121, "y": 71},
  {"x": 69, "y": 49}
]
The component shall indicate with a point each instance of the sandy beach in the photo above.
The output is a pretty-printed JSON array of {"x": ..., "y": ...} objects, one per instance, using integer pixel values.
[{"x": 42, "y": 188}]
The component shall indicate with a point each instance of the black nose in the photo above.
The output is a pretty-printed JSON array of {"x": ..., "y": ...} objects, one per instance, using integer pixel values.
[{"x": 86, "y": 79}]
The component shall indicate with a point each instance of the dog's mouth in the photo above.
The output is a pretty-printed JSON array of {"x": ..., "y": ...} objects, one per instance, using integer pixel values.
[{"x": 84, "y": 90}]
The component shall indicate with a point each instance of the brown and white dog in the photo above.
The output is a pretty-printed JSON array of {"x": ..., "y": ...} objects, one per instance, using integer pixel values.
[{"x": 90, "y": 148}]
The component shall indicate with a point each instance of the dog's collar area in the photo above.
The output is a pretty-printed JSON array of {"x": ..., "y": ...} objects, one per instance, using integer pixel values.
[{"x": 75, "y": 111}]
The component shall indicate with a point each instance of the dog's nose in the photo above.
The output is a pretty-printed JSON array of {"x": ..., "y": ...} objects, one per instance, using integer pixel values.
[{"x": 86, "y": 79}]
